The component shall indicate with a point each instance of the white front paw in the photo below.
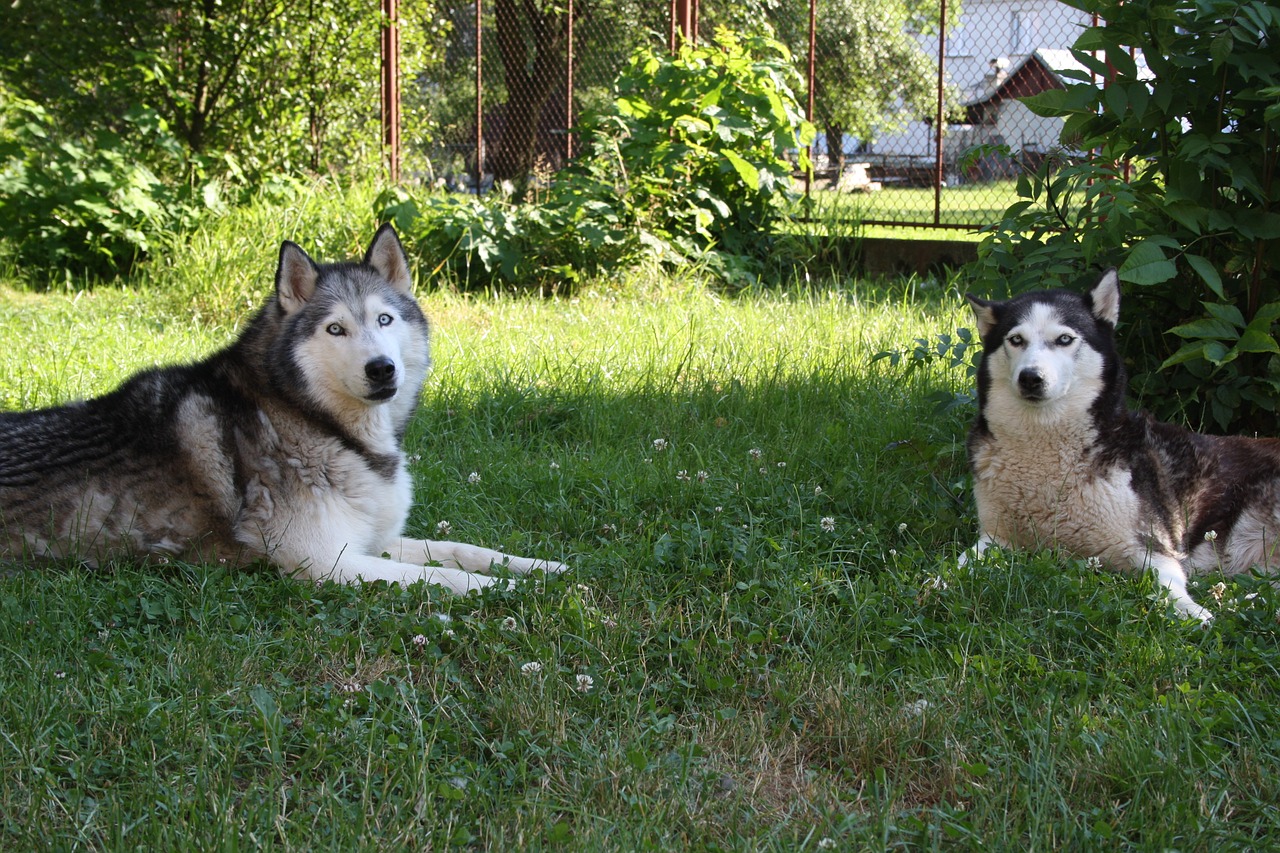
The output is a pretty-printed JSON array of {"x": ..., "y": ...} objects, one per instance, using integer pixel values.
[{"x": 551, "y": 567}]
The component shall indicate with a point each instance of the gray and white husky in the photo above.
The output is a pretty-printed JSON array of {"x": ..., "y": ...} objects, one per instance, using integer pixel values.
[
  {"x": 285, "y": 446},
  {"x": 1059, "y": 461}
]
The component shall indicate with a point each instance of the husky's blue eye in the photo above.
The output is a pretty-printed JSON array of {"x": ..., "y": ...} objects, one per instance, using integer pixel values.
[
  {"x": 384, "y": 319},
  {"x": 1065, "y": 340},
  {"x": 1016, "y": 340},
  {"x": 335, "y": 329}
]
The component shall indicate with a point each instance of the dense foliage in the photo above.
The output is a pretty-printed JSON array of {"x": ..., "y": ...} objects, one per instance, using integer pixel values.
[
  {"x": 86, "y": 204},
  {"x": 691, "y": 161},
  {"x": 1179, "y": 111},
  {"x": 120, "y": 121}
]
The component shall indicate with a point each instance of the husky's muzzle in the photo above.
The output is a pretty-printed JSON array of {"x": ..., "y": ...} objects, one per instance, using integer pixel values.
[
  {"x": 381, "y": 373},
  {"x": 1031, "y": 384}
]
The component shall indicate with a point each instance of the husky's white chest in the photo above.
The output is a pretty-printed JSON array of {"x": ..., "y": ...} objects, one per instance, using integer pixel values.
[
  {"x": 313, "y": 485},
  {"x": 1034, "y": 491}
]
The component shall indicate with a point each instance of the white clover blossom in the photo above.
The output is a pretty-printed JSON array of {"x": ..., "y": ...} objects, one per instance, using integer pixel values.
[
  {"x": 509, "y": 624},
  {"x": 419, "y": 639},
  {"x": 828, "y": 523},
  {"x": 902, "y": 528},
  {"x": 935, "y": 582},
  {"x": 1211, "y": 536},
  {"x": 702, "y": 476},
  {"x": 443, "y": 528},
  {"x": 1218, "y": 590},
  {"x": 682, "y": 476},
  {"x": 533, "y": 667},
  {"x": 817, "y": 490},
  {"x": 473, "y": 477},
  {"x": 659, "y": 444},
  {"x": 584, "y": 682},
  {"x": 1093, "y": 564},
  {"x": 555, "y": 466},
  {"x": 782, "y": 465},
  {"x": 826, "y": 843},
  {"x": 755, "y": 453}
]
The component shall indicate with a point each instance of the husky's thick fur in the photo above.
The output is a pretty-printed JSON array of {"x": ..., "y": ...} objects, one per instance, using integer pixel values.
[
  {"x": 285, "y": 446},
  {"x": 1058, "y": 460}
]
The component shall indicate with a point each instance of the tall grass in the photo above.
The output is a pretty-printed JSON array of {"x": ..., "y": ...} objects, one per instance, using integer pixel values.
[{"x": 765, "y": 641}]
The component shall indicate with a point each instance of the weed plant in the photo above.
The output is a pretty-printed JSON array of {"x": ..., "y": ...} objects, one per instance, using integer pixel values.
[{"x": 765, "y": 642}]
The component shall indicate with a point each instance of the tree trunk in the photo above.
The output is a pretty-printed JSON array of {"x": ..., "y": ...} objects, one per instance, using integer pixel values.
[{"x": 531, "y": 46}]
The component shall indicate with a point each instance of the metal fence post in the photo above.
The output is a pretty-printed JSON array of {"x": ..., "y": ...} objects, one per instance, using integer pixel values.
[
  {"x": 479, "y": 97},
  {"x": 939, "y": 118},
  {"x": 391, "y": 86}
]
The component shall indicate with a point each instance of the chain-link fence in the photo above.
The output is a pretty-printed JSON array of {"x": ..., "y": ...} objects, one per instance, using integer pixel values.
[{"x": 917, "y": 108}]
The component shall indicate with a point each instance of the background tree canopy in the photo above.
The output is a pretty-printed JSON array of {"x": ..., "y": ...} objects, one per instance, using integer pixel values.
[
  {"x": 121, "y": 121},
  {"x": 261, "y": 85}
]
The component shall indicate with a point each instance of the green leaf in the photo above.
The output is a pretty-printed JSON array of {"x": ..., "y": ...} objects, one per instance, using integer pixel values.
[
  {"x": 1207, "y": 272},
  {"x": 1193, "y": 351},
  {"x": 1226, "y": 312},
  {"x": 1147, "y": 264},
  {"x": 1051, "y": 103},
  {"x": 1207, "y": 329},
  {"x": 750, "y": 174},
  {"x": 1255, "y": 340}
]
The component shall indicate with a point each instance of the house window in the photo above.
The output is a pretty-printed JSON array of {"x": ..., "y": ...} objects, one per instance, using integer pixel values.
[{"x": 1015, "y": 31}]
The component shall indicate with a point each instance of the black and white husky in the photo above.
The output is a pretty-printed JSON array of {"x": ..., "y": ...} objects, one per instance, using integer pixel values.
[
  {"x": 1059, "y": 461},
  {"x": 285, "y": 446}
]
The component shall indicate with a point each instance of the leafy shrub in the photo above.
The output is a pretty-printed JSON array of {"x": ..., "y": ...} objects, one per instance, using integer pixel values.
[
  {"x": 690, "y": 162},
  {"x": 82, "y": 205},
  {"x": 1178, "y": 191}
]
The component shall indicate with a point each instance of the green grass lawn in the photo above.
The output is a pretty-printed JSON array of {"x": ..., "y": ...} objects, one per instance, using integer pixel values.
[
  {"x": 765, "y": 641},
  {"x": 971, "y": 205}
]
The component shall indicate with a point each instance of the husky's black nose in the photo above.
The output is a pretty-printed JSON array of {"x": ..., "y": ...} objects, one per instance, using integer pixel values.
[
  {"x": 380, "y": 369},
  {"x": 1031, "y": 383}
]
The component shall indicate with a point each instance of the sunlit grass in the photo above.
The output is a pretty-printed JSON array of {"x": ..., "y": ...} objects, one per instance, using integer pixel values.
[{"x": 765, "y": 641}]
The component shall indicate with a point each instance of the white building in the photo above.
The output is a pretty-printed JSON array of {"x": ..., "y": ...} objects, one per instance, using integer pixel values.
[{"x": 997, "y": 51}]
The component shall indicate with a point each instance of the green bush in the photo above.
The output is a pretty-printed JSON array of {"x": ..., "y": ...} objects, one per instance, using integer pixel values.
[
  {"x": 1178, "y": 191},
  {"x": 82, "y": 205},
  {"x": 689, "y": 163}
]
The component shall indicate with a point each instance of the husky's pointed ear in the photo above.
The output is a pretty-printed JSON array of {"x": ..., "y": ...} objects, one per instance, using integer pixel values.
[
  {"x": 296, "y": 277},
  {"x": 1105, "y": 297},
  {"x": 387, "y": 256},
  {"x": 984, "y": 311}
]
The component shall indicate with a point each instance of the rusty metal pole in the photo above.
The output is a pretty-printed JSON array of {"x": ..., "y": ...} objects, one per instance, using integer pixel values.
[
  {"x": 568, "y": 91},
  {"x": 684, "y": 19},
  {"x": 391, "y": 86},
  {"x": 479, "y": 98},
  {"x": 813, "y": 52},
  {"x": 939, "y": 117}
]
